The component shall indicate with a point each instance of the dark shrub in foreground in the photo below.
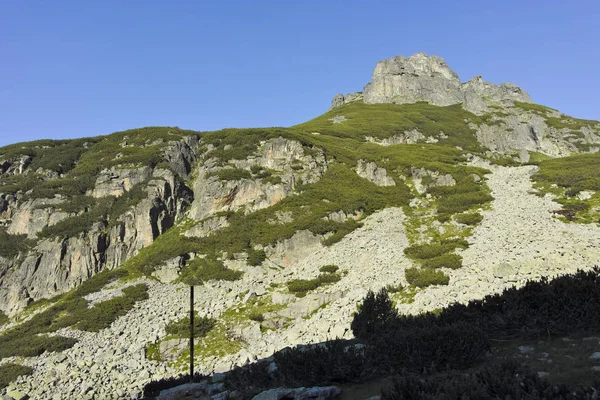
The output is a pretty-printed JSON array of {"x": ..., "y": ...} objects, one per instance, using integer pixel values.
[
  {"x": 153, "y": 388},
  {"x": 374, "y": 315},
  {"x": 508, "y": 381}
]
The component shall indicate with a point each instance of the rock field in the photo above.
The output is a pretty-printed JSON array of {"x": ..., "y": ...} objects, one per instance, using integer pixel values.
[{"x": 518, "y": 239}]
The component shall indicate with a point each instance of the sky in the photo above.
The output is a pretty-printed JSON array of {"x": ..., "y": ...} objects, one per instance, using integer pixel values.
[{"x": 85, "y": 68}]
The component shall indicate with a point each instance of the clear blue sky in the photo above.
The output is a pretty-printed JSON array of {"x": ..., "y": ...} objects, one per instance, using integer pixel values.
[{"x": 83, "y": 68}]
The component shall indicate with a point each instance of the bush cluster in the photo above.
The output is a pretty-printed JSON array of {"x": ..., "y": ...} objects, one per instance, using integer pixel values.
[
  {"x": 333, "y": 362},
  {"x": 508, "y": 380},
  {"x": 10, "y": 371},
  {"x": 329, "y": 269},
  {"x": 153, "y": 388},
  {"x": 452, "y": 261},
  {"x": 427, "y": 251},
  {"x": 469, "y": 219},
  {"x": 423, "y": 277},
  {"x": 232, "y": 174},
  {"x": 181, "y": 328},
  {"x": 12, "y": 245},
  {"x": 256, "y": 257},
  {"x": 103, "y": 314},
  {"x": 301, "y": 286},
  {"x": 29, "y": 339}
]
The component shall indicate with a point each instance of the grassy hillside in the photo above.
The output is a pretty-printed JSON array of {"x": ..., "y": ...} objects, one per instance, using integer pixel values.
[{"x": 448, "y": 138}]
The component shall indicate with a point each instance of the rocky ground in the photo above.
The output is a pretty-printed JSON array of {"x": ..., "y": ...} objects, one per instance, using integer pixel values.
[{"x": 518, "y": 239}]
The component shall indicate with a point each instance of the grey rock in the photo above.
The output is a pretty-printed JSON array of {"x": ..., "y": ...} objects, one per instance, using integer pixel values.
[
  {"x": 17, "y": 394},
  {"x": 317, "y": 393},
  {"x": 595, "y": 356},
  {"x": 421, "y": 78},
  {"x": 503, "y": 270},
  {"x": 371, "y": 172}
]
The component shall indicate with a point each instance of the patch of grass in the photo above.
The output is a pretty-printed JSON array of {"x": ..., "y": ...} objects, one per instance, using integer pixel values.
[
  {"x": 181, "y": 328},
  {"x": 423, "y": 277},
  {"x": 12, "y": 245},
  {"x": 232, "y": 174},
  {"x": 11, "y": 371},
  {"x": 103, "y": 314},
  {"x": 3, "y": 319},
  {"x": 301, "y": 286},
  {"x": 427, "y": 251},
  {"x": 572, "y": 175},
  {"x": 330, "y": 269},
  {"x": 256, "y": 316},
  {"x": 28, "y": 339},
  {"x": 256, "y": 257},
  {"x": 452, "y": 261},
  {"x": 386, "y": 120},
  {"x": 207, "y": 269},
  {"x": 469, "y": 219}
]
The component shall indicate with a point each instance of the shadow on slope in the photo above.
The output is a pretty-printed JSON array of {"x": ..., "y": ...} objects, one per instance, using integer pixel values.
[{"x": 437, "y": 356}]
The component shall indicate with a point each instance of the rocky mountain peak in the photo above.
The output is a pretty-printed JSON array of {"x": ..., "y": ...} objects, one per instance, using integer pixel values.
[{"x": 428, "y": 78}]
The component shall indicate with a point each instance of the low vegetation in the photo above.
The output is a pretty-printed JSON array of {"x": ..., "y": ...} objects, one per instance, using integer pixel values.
[
  {"x": 567, "y": 177},
  {"x": 302, "y": 286},
  {"x": 30, "y": 337},
  {"x": 469, "y": 218},
  {"x": 12, "y": 245},
  {"x": 11, "y": 371},
  {"x": 181, "y": 328},
  {"x": 3, "y": 318},
  {"x": 441, "y": 355}
]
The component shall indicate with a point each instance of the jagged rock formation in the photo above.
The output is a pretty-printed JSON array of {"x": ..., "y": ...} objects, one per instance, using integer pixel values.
[
  {"x": 58, "y": 265},
  {"x": 507, "y": 129},
  {"x": 421, "y": 78}
]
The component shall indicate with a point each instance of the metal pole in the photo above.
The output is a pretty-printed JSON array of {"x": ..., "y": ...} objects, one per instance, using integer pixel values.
[{"x": 191, "y": 333}]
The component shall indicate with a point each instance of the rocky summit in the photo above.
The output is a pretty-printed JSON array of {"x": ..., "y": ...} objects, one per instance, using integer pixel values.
[{"x": 440, "y": 191}]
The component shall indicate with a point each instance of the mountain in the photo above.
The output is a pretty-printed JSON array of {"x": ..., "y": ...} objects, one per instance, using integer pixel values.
[{"x": 440, "y": 190}]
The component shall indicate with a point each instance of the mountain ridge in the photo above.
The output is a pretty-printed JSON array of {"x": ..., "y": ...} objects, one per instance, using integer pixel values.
[{"x": 285, "y": 228}]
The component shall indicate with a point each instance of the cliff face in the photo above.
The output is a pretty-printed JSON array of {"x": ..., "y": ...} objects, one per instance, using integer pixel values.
[
  {"x": 403, "y": 80},
  {"x": 511, "y": 123},
  {"x": 55, "y": 264}
]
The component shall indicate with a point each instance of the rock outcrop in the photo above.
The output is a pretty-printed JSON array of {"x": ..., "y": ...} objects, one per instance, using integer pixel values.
[
  {"x": 421, "y": 78},
  {"x": 58, "y": 265},
  {"x": 286, "y": 158}
]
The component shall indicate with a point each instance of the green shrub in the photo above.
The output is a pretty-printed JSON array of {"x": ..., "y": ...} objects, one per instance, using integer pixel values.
[
  {"x": 103, "y": 314},
  {"x": 453, "y": 261},
  {"x": 508, "y": 380},
  {"x": 374, "y": 314},
  {"x": 397, "y": 288},
  {"x": 28, "y": 345},
  {"x": 469, "y": 219},
  {"x": 256, "y": 316},
  {"x": 423, "y": 277},
  {"x": 12, "y": 245},
  {"x": 256, "y": 257},
  {"x": 10, "y": 371},
  {"x": 181, "y": 328},
  {"x": 301, "y": 286},
  {"x": 426, "y": 251},
  {"x": 3, "y": 318},
  {"x": 205, "y": 269},
  {"x": 232, "y": 174},
  {"x": 330, "y": 269},
  {"x": 273, "y": 180}
]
